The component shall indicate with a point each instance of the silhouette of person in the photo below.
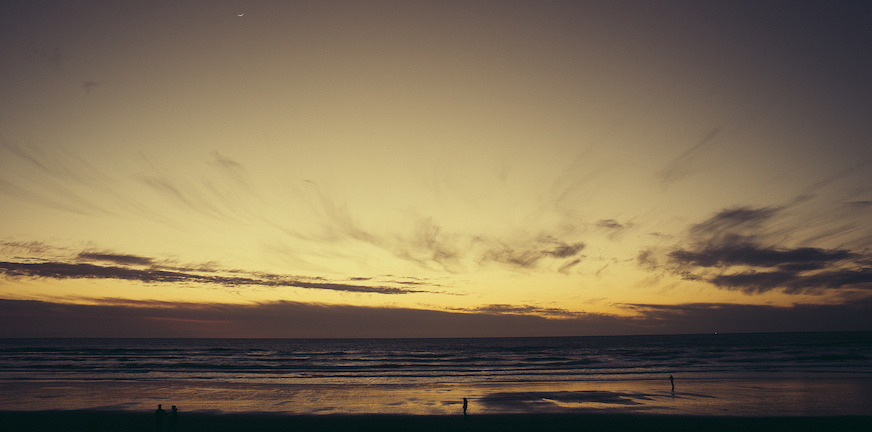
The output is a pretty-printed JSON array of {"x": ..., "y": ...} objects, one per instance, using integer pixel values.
[
  {"x": 672, "y": 381},
  {"x": 174, "y": 418},
  {"x": 465, "y": 405},
  {"x": 159, "y": 414}
]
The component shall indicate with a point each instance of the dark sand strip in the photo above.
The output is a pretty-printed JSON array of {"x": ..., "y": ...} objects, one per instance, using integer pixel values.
[{"x": 107, "y": 421}]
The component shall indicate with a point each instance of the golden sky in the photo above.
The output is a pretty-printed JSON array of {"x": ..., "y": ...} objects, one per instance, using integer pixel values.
[{"x": 434, "y": 168}]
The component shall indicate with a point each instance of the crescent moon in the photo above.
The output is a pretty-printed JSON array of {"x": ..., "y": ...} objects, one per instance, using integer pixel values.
[{"x": 240, "y": 14}]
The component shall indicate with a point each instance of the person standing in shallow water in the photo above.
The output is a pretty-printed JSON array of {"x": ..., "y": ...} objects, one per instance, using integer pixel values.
[
  {"x": 465, "y": 405},
  {"x": 159, "y": 414},
  {"x": 672, "y": 381}
]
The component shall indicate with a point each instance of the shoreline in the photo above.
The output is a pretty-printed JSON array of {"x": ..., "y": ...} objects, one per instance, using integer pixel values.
[{"x": 106, "y": 421}]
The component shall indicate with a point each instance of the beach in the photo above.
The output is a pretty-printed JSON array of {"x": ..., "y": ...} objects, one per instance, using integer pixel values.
[
  {"x": 712, "y": 405},
  {"x": 807, "y": 397}
]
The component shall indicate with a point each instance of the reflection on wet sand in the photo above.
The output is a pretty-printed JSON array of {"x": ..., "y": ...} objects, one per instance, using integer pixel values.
[
  {"x": 545, "y": 401},
  {"x": 803, "y": 397}
]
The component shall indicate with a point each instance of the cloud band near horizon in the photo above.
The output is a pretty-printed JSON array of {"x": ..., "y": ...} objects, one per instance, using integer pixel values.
[
  {"x": 124, "y": 318},
  {"x": 155, "y": 274}
]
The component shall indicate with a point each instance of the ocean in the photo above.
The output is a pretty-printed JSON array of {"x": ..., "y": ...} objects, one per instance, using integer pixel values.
[{"x": 733, "y": 374}]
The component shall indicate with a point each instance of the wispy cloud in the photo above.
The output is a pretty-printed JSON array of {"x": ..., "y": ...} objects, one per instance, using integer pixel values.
[
  {"x": 123, "y": 259},
  {"x": 182, "y": 194},
  {"x": 728, "y": 251},
  {"x": 28, "y": 247},
  {"x": 730, "y": 221},
  {"x": 53, "y": 57},
  {"x": 682, "y": 165},
  {"x": 610, "y": 224},
  {"x": 90, "y": 85},
  {"x": 51, "y": 177},
  {"x": 509, "y": 309},
  {"x": 429, "y": 244},
  {"x": 528, "y": 256},
  {"x": 647, "y": 260},
  {"x": 859, "y": 167},
  {"x": 231, "y": 168},
  {"x": 613, "y": 227},
  {"x": 860, "y": 205},
  {"x": 59, "y": 178}
]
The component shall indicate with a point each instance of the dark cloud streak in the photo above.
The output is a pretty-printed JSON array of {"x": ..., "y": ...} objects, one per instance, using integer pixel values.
[
  {"x": 794, "y": 282},
  {"x": 727, "y": 250},
  {"x": 749, "y": 254},
  {"x": 123, "y": 259},
  {"x": 61, "y": 270}
]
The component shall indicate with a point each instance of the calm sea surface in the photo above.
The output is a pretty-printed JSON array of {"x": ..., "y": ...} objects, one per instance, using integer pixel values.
[{"x": 414, "y": 361}]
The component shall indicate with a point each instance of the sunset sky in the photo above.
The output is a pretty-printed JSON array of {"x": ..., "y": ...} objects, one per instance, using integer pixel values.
[{"x": 434, "y": 168}]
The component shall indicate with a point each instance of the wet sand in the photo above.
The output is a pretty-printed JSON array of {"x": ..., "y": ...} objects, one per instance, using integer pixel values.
[
  {"x": 769, "y": 405},
  {"x": 745, "y": 398},
  {"x": 106, "y": 421}
]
